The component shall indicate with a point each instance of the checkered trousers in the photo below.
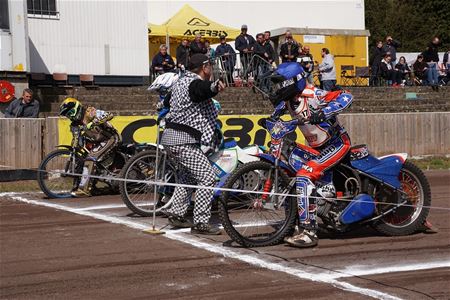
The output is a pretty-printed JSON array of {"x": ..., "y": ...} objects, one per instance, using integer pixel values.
[{"x": 194, "y": 168}]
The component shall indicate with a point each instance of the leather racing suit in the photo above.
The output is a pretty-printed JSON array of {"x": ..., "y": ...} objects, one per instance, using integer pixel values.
[
  {"x": 94, "y": 127},
  {"x": 327, "y": 139}
]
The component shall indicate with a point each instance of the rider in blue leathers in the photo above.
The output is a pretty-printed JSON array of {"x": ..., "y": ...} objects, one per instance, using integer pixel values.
[{"x": 328, "y": 142}]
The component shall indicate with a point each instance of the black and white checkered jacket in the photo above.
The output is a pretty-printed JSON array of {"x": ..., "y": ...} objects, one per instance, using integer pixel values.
[{"x": 191, "y": 108}]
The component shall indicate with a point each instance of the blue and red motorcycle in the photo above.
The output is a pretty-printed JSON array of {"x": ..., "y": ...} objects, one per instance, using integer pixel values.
[{"x": 389, "y": 193}]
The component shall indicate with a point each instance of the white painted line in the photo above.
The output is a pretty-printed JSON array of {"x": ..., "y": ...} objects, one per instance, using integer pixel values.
[
  {"x": 313, "y": 274},
  {"x": 100, "y": 207},
  {"x": 361, "y": 270}
]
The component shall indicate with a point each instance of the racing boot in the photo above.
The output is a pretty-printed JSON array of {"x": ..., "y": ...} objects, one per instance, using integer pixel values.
[
  {"x": 82, "y": 192},
  {"x": 306, "y": 239}
]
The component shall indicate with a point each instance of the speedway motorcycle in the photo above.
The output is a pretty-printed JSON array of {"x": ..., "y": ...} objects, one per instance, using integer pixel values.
[
  {"x": 389, "y": 193},
  {"x": 63, "y": 170}
]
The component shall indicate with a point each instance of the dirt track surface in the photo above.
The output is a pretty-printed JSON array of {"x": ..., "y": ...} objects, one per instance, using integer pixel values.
[{"x": 71, "y": 249}]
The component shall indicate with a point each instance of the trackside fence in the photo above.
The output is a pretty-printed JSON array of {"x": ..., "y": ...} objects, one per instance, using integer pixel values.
[{"x": 24, "y": 142}]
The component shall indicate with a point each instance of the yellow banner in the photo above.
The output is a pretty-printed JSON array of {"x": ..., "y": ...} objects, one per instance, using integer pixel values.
[{"x": 142, "y": 129}]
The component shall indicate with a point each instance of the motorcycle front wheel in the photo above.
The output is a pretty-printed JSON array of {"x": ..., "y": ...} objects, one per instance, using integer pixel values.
[
  {"x": 409, "y": 218},
  {"x": 53, "y": 173},
  {"x": 255, "y": 219},
  {"x": 138, "y": 195}
]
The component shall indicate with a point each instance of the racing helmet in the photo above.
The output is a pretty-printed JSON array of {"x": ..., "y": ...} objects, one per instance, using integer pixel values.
[
  {"x": 71, "y": 108},
  {"x": 290, "y": 79}
]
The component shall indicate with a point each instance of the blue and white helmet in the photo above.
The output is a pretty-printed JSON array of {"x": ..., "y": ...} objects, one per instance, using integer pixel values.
[
  {"x": 163, "y": 81},
  {"x": 291, "y": 80}
]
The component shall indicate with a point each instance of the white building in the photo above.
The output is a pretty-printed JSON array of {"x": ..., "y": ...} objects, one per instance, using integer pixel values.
[
  {"x": 105, "y": 38},
  {"x": 261, "y": 15}
]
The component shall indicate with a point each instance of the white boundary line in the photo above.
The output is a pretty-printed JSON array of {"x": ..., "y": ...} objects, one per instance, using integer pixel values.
[{"x": 198, "y": 243}]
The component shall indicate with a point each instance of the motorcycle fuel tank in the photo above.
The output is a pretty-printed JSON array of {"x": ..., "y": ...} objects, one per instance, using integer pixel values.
[{"x": 361, "y": 207}]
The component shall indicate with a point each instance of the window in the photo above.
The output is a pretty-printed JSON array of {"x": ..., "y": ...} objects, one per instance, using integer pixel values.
[
  {"x": 42, "y": 7},
  {"x": 4, "y": 15}
]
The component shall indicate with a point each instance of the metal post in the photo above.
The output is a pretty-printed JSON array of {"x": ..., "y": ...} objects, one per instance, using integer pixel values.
[{"x": 155, "y": 200}]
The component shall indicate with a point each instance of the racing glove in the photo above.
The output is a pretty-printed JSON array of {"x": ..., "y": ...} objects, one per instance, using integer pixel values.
[{"x": 317, "y": 117}]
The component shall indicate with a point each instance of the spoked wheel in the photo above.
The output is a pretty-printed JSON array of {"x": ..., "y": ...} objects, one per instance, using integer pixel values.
[
  {"x": 256, "y": 220},
  {"x": 139, "y": 196},
  {"x": 416, "y": 191},
  {"x": 52, "y": 174}
]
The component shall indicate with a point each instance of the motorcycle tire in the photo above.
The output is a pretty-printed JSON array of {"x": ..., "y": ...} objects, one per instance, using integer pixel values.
[
  {"x": 236, "y": 209},
  {"x": 51, "y": 178},
  {"x": 138, "y": 197},
  {"x": 406, "y": 220}
]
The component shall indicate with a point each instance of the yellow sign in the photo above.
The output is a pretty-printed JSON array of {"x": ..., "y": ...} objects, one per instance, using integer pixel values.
[{"x": 142, "y": 129}]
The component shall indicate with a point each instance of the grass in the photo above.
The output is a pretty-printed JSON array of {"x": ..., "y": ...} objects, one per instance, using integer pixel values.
[
  {"x": 432, "y": 162},
  {"x": 19, "y": 186}
]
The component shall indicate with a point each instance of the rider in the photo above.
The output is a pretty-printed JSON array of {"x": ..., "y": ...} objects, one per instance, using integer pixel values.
[
  {"x": 91, "y": 124},
  {"x": 327, "y": 139}
]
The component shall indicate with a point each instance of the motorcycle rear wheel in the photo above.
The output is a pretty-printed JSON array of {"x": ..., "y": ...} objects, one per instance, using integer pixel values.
[
  {"x": 406, "y": 220},
  {"x": 52, "y": 177},
  {"x": 139, "y": 196},
  {"x": 245, "y": 219}
]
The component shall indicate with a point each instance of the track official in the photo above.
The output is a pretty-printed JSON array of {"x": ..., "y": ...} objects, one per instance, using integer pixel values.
[{"x": 189, "y": 124}]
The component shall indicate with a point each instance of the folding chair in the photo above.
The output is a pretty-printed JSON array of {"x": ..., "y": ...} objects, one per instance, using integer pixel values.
[
  {"x": 347, "y": 75},
  {"x": 361, "y": 73}
]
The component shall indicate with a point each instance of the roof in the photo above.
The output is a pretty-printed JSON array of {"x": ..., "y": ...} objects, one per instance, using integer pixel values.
[
  {"x": 319, "y": 31},
  {"x": 188, "y": 22}
]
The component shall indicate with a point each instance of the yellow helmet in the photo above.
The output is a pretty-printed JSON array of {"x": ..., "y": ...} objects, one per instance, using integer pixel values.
[{"x": 71, "y": 108}]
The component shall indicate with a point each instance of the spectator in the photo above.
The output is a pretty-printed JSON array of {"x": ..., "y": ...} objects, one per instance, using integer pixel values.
[
  {"x": 392, "y": 76},
  {"x": 289, "y": 50},
  {"x": 374, "y": 61},
  {"x": 183, "y": 54},
  {"x": 24, "y": 107},
  {"x": 245, "y": 44},
  {"x": 197, "y": 46},
  {"x": 265, "y": 52},
  {"x": 327, "y": 70},
  {"x": 162, "y": 62},
  {"x": 267, "y": 40},
  {"x": 431, "y": 57},
  {"x": 228, "y": 57},
  {"x": 420, "y": 68},
  {"x": 210, "y": 52},
  {"x": 391, "y": 47},
  {"x": 307, "y": 61},
  {"x": 403, "y": 69}
]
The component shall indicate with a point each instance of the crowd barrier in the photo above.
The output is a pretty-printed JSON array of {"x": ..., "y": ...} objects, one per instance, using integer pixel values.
[{"x": 24, "y": 142}]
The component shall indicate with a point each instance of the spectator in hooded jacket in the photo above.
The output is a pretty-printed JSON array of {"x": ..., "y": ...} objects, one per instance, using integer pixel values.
[
  {"x": 391, "y": 47},
  {"x": 374, "y": 61},
  {"x": 183, "y": 54}
]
